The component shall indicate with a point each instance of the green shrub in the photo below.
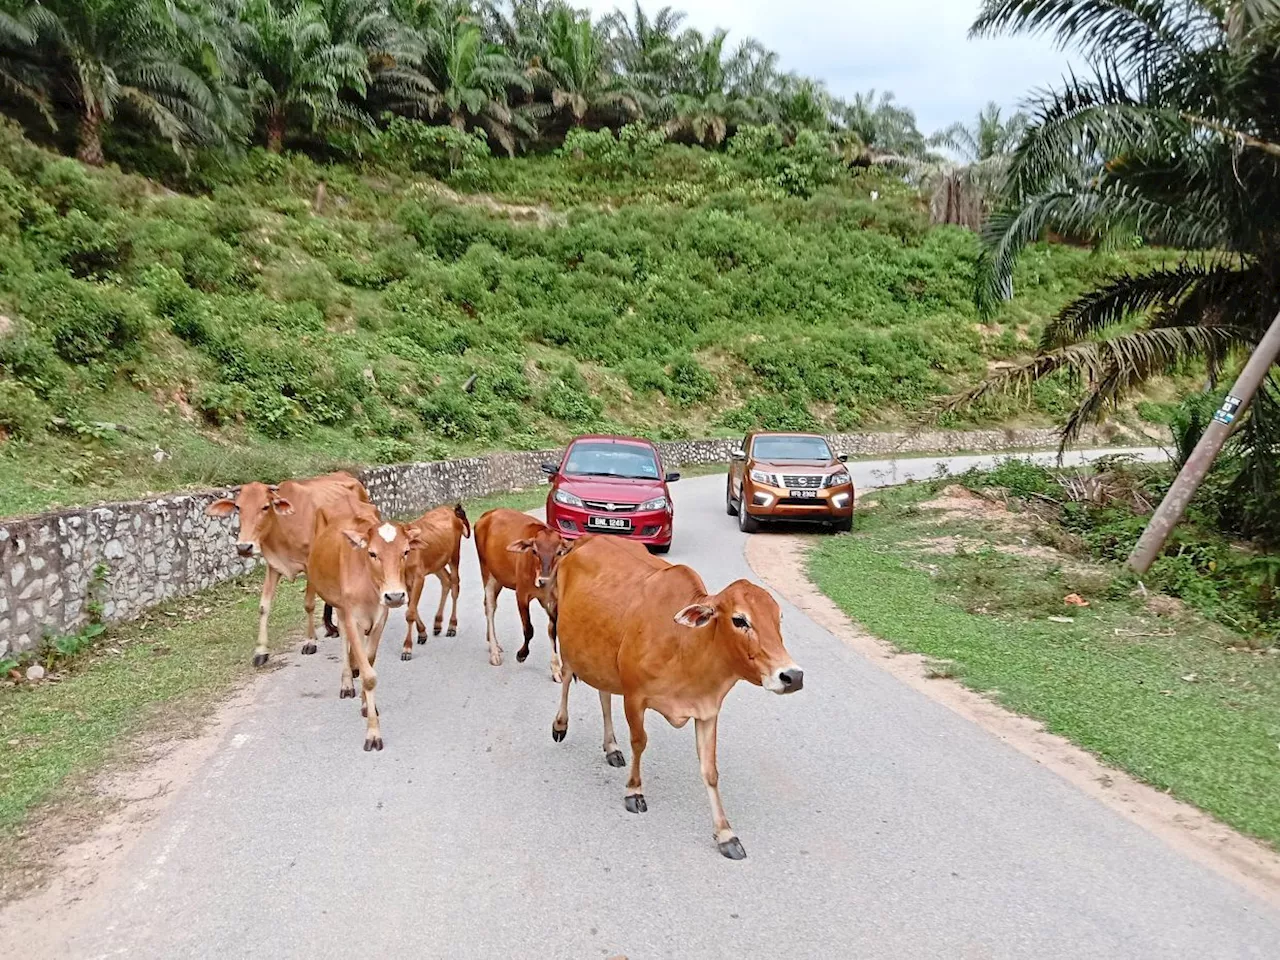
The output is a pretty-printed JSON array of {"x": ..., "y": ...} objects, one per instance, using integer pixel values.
[
  {"x": 438, "y": 151},
  {"x": 22, "y": 413},
  {"x": 785, "y": 411},
  {"x": 85, "y": 321},
  {"x": 645, "y": 375},
  {"x": 690, "y": 382}
]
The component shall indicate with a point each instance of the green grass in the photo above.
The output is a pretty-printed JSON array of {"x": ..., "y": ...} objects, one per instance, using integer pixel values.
[{"x": 1174, "y": 701}]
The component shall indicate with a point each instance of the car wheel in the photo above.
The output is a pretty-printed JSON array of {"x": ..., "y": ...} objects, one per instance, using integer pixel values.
[
  {"x": 660, "y": 548},
  {"x": 730, "y": 507},
  {"x": 746, "y": 522},
  {"x": 843, "y": 526}
]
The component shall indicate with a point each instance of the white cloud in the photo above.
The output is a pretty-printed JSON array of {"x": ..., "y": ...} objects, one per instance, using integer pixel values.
[{"x": 919, "y": 49}]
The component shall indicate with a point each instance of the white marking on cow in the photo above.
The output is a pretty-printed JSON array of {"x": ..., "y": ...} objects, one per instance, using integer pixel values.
[{"x": 387, "y": 532}]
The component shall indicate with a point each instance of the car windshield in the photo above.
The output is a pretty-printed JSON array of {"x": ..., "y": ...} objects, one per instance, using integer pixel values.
[
  {"x": 603, "y": 459},
  {"x": 791, "y": 448}
]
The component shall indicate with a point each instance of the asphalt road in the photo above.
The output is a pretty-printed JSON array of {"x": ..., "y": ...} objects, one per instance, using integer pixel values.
[{"x": 877, "y": 823}]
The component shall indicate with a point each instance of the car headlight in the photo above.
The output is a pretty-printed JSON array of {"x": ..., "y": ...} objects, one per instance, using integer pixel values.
[
  {"x": 768, "y": 479},
  {"x": 657, "y": 503},
  {"x": 567, "y": 498},
  {"x": 837, "y": 479}
]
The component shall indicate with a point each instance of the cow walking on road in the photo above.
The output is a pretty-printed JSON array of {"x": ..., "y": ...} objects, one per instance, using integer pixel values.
[
  {"x": 518, "y": 553},
  {"x": 278, "y": 522},
  {"x": 357, "y": 564},
  {"x": 441, "y": 531},
  {"x": 632, "y": 624}
]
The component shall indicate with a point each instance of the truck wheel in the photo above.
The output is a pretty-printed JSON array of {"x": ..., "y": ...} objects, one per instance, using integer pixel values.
[
  {"x": 746, "y": 522},
  {"x": 730, "y": 507},
  {"x": 843, "y": 526}
]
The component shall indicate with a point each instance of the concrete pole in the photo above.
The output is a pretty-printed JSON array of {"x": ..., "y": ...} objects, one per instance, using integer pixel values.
[{"x": 1197, "y": 466}]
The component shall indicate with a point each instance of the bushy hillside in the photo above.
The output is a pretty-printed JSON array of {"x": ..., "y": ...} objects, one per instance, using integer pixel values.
[{"x": 263, "y": 327}]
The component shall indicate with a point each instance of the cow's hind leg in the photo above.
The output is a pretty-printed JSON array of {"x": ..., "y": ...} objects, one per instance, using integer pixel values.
[
  {"x": 445, "y": 583},
  {"x": 556, "y": 666},
  {"x": 634, "y": 709},
  {"x": 730, "y": 845},
  {"x": 264, "y": 613},
  {"x": 526, "y": 625},
  {"x": 560, "y": 725},
  {"x": 455, "y": 587},
  {"x": 309, "y": 604},
  {"x": 491, "y": 590},
  {"x": 611, "y": 751}
]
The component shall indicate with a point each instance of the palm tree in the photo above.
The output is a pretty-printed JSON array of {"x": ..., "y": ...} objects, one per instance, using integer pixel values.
[
  {"x": 962, "y": 191},
  {"x": 576, "y": 70},
  {"x": 1175, "y": 139},
  {"x": 703, "y": 107},
  {"x": 101, "y": 56},
  {"x": 878, "y": 129},
  {"x": 296, "y": 73},
  {"x": 646, "y": 49},
  {"x": 19, "y": 74}
]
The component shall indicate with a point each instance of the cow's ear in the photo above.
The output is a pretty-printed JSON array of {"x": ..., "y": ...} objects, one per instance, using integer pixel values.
[
  {"x": 520, "y": 546},
  {"x": 415, "y": 540},
  {"x": 696, "y": 615},
  {"x": 221, "y": 508},
  {"x": 282, "y": 506},
  {"x": 356, "y": 538}
]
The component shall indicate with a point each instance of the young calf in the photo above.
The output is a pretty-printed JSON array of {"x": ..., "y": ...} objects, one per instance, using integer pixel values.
[
  {"x": 278, "y": 523},
  {"x": 357, "y": 564},
  {"x": 441, "y": 531},
  {"x": 632, "y": 624},
  {"x": 519, "y": 553}
]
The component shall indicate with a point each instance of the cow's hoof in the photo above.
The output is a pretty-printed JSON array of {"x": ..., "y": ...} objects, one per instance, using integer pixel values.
[
  {"x": 495, "y": 659},
  {"x": 372, "y": 743},
  {"x": 615, "y": 758},
  {"x": 406, "y": 654},
  {"x": 344, "y": 693},
  {"x": 559, "y": 735},
  {"x": 557, "y": 676},
  {"x": 331, "y": 631},
  {"x": 451, "y": 632},
  {"x": 636, "y": 804},
  {"x": 522, "y": 655},
  {"x": 259, "y": 659},
  {"x": 733, "y": 849},
  {"x": 422, "y": 639},
  {"x": 308, "y": 648},
  {"x": 435, "y": 630},
  {"x": 364, "y": 712}
]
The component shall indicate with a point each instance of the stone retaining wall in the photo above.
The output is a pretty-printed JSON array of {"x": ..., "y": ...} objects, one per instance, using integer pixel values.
[{"x": 128, "y": 556}]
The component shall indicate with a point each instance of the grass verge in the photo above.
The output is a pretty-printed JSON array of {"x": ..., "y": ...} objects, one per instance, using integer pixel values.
[{"x": 1152, "y": 688}]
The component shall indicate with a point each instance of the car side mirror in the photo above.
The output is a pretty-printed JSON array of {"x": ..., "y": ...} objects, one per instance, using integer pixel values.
[
  {"x": 550, "y": 469},
  {"x": 739, "y": 455},
  {"x": 672, "y": 477},
  {"x": 843, "y": 458}
]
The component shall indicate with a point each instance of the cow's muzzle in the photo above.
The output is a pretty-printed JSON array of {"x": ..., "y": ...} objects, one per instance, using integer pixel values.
[
  {"x": 787, "y": 680},
  {"x": 393, "y": 599},
  {"x": 244, "y": 549}
]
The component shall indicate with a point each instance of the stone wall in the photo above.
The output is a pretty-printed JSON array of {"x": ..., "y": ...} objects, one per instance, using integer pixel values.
[{"x": 151, "y": 550}]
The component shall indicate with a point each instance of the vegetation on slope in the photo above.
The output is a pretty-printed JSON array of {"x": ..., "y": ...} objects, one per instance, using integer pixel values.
[{"x": 257, "y": 329}]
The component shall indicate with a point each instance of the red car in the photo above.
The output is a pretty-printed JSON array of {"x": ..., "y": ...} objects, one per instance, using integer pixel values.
[{"x": 613, "y": 485}]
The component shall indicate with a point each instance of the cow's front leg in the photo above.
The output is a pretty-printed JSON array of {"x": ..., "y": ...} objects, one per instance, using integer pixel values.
[
  {"x": 309, "y": 604},
  {"x": 705, "y": 732},
  {"x": 368, "y": 678},
  {"x": 491, "y": 590},
  {"x": 347, "y": 690},
  {"x": 560, "y": 725},
  {"x": 556, "y": 666},
  {"x": 264, "y": 613},
  {"x": 611, "y": 752},
  {"x": 526, "y": 625},
  {"x": 634, "y": 709},
  {"x": 411, "y": 618}
]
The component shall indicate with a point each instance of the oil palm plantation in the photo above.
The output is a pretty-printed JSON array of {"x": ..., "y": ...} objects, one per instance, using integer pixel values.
[
  {"x": 574, "y": 68},
  {"x": 295, "y": 73},
  {"x": 95, "y": 58},
  {"x": 1174, "y": 139},
  {"x": 962, "y": 191},
  {"x": 646, "y": 49}
]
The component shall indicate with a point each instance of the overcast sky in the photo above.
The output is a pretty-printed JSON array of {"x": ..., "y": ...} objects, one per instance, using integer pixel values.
[{"x": 919, "y": 49}]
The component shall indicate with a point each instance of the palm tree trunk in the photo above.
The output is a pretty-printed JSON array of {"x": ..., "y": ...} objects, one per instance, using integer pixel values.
[
  {"x": 275, "y": 131},
  {"x": 89, "y": 136}
]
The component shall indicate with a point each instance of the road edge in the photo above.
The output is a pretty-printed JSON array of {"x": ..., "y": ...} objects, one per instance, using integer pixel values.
[{"x": 778, "y": 559}]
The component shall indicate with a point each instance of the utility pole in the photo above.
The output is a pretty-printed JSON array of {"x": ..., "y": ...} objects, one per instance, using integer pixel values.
[{"x": 1197, "y": 466}]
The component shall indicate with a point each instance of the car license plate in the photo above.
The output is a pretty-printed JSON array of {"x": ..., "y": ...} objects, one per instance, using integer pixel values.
[
  {"x": 804, "y": 494},
  {"x": 610, "y": 524}
]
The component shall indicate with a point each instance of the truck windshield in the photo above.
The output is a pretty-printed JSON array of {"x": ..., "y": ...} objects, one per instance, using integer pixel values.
[
  {"x": 592, "y": 459},
  {"x": 791, "y": 448}
]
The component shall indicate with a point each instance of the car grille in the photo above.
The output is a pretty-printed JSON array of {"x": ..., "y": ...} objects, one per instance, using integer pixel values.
[
  {"x": 811, "y": 481},
  {"x": 610, "y": 506}
]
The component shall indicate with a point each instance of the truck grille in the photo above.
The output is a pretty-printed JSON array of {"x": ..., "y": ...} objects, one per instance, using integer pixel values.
[
  {"x": 610, "y": 506},
  {"x": 802, "y": 482}
]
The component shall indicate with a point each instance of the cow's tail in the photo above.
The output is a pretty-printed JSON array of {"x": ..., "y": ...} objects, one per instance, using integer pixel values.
[{"x": 462, "y": 515}]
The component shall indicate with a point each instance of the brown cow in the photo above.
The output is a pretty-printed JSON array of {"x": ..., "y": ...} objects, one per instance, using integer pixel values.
[
  {"x": 519, "y": 553},
  {"x": 441, "y": 530},
  {"x": 278, "y": 522},
  {"x": 633, "y": 624},
  {"x": 357, "y": 564}
]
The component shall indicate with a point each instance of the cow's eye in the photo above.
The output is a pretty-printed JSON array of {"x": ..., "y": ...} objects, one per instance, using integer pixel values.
[
  {"x": 266, "y": 508},
  {"x": 373, "y": 555},
  {"x": 406, "y": 552},
  {"x": 740, "y": 621}
]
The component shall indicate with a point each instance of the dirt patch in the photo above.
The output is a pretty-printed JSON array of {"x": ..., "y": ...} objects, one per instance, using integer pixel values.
[
  {"x": 93, "y": 834},
  {"x": 960, "y": 503},
  {"x": 779, "y": 560},
  {"x": 537, "y": 215},
  {"x": 949, "y": 545}
]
